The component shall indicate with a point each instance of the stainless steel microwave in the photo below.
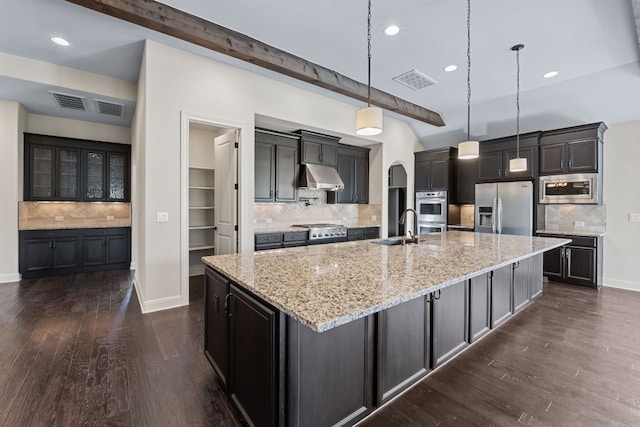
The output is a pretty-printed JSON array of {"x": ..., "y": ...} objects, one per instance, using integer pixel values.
[{"x": 572, "y": 188}]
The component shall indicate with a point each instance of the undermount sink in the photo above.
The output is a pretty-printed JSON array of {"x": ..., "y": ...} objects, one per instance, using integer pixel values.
[{"x": 396, "y": 241}]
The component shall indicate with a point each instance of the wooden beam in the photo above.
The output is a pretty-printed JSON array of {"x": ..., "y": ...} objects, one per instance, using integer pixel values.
[{"x": 173, "y": 22}]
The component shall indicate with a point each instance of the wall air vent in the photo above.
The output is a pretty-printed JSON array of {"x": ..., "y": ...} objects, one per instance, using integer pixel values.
[
  {"x": 109, "y": 108},
  {"x": 71, "y": 102},
  {"x": 415, "y": 80}
]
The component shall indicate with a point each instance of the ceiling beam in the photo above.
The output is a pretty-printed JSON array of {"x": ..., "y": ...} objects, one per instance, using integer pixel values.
[{"x": 173, "y": 22}]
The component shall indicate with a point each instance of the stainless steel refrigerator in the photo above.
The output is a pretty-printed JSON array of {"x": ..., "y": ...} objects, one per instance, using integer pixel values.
[{"x": 504, "y": 208}]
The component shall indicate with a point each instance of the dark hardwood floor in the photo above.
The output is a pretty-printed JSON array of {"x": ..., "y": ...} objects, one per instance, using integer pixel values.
[{"x": 76, "y": 350}]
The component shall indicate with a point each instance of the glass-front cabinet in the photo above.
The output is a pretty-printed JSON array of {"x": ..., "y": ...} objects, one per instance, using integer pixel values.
[{"x": 55, "y": 173}]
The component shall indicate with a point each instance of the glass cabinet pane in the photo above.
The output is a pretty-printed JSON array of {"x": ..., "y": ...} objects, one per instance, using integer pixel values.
[
  {"x": 68, "y": 174},
  {"x": 42, "y": 173},
  {"x": 116, "y": 176},
  {"x": 95, "y": 175}
]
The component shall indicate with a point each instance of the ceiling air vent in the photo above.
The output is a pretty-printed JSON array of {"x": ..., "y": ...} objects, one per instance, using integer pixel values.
[
  {"x": 415, "y": 80},
  {"x": 109, "y": 108},
  {"x": 71, "y": 102}
]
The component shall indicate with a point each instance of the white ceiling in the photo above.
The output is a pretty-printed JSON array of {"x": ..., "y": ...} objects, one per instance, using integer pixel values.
[{"x": 592, "y": 43}]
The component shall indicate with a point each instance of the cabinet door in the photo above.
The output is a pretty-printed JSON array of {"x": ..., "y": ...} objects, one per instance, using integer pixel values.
[
  {"x": 397, "y": 176},
  {"x": 36, "y": 255},
  {"x": 41, "y": 176},
  {"x": 466, "y": 176},
  {"x": 439, "y": 175},
  {"x": 117, "y": 177},
  {"x": 93, "y": 250},
  {"x": 65, "y": 253},
  {"x": 552, "y": 159},
  {"x": 311, "y": 152},
  {"x": 553, "y": 263},
  {"x": 450, "y": 322},
  {"x": 490, "y": 166},
  {"x": 423, "y": 176},
  {"x": 254, "y": 359},
  {"x": 520, "y": 284},
  {"x": 583, "y": 156},
  {"x": 361, "y": 184},
  {"x": 286, "y": 173},
  {"x": 346, "y": 170},
  {"x": 264, "y": 171},
  {"x": 329, "y": 155},
  {"x": 94, "y": 175},
  {"x": 501, "y": 288},
  {"x": 216, "y": 323},
  {"x": 535, "y": 276},
  {"x": 580, "y": 264},
  {"x": 525, "y": 153},
  {"x": 403, "y": 347},
  {"x": 479, "y": 313},
  {"x": 118, "y": 249},
  {"x": 67, "y": 175}
]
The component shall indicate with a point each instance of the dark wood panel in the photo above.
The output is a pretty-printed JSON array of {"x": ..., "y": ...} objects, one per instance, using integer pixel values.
[
  {"x": 501, "y": 291},
  {"x": 216, "y": 326},
  {"x": 450, "y": 324},
  {"x": 479, "y": 306},
  {"x": 521, "y": 278}
]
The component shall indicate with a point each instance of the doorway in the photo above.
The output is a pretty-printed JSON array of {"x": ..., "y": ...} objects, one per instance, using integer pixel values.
[{"x": 397, "y": 199}]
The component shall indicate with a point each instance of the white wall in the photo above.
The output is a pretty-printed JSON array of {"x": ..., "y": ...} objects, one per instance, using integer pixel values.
[
  {"x": 201, "y": 148},
  {"x": 178, "y": 81},
  {"x": 56, "y": 126},
  {"x": 621, "y": 196},
  {"x": 12, "y": 122}
]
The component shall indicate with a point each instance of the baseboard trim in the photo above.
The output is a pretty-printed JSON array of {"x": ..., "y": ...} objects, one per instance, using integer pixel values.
[
  {"x": 10, "y": 277},
  {"x": 162, "y": 304},
  {"x": 621, "y": 284}
]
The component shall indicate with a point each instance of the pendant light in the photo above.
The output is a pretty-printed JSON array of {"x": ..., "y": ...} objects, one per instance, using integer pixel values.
[
  {"x": 369, "y": 119},
  {"x": 517, "y": 164},
  {"x": 468, "y": 149}
]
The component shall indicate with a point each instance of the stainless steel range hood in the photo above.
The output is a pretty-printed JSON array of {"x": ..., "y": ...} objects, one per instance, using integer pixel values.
[{"x": 319, "y": 177}]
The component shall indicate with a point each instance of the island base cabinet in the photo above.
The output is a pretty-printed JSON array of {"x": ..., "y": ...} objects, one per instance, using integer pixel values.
[
  {"x": 479, "y": 306},
  {"x": 330, "y": 378},
  {"x": 535, "y": 276},
  {"x": 403, "y": 347},
  {"x": 501, "y": 289},
  {"x": 216, "y": 326},
  {"x": 449, "y": 321},
  {"x": 521, "y": 279}
]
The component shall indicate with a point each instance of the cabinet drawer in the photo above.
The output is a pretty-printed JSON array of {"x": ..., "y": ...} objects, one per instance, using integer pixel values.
[
  {"x": 355, "y": 232},
  {"x": 588, "y": 242},
  {"x": 268, "y": 238},
  {"x": 43, "y": 234},
  {"x": 108, "y": 231},
  {"x": 372, "y": 232},
  {"x": 295, "y": 236}
]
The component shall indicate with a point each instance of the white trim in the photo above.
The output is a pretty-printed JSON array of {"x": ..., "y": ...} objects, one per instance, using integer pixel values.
[
  {"x": 138, "y": 292},
  {"x": 10, "y": 277},
  {"x": 133, "y": 265},
  {"x": 621, "y": 284},
  {"x": 162, "y": 304}
]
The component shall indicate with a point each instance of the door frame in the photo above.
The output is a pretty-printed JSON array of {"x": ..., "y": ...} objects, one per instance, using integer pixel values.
[{"x": 185, "y": 119}]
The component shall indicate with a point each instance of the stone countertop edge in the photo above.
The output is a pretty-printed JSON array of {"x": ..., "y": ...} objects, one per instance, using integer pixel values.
[
  {"x": 285, "y": 229},
  {"x": 573, "y": 233},
  {"x": 73, "y": 227},
  {"x": 322, "y": 326}
]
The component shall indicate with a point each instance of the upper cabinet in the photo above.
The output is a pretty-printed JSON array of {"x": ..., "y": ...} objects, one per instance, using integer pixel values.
[
  {"x": 276, "y": 167},
  {"x": 318, "y": 149},
  {"x": 353, "y": 168},
  {"x": 465, "y": 179},
  {"x": 75, "y": 170},
  {"x": 397, "y": 176},
  {"x": 572, "y": 150},
  {"x": 493, "y": 162},
  {"x": 435, "y": 169}
]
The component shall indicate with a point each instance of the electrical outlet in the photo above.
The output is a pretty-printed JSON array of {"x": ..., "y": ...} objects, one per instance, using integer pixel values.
[
  {"x": 162, "y": 216},
  {"x": 110, "y": 218},
  {"x": 268, "y": 221},
  {"x": 374, "y": 217},
  {"x": 634, "y": 217},
  {"x": 578, "y": 223},
  {"x": 59, "y": 218}
]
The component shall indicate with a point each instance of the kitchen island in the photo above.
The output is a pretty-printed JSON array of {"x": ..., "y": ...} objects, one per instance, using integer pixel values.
[{"x": 323, "y": 335}]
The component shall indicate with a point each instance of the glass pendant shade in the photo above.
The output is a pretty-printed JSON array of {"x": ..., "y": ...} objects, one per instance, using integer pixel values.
[
  {"x": 517, "y": 165},
  {"x": 468, "y": 149},
  {"x": 369, "y": 121}
]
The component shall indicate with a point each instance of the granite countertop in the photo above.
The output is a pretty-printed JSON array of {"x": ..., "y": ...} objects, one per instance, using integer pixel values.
[
  {"x": 324, "y": 286},
  {"x": 573, "y": 233}
]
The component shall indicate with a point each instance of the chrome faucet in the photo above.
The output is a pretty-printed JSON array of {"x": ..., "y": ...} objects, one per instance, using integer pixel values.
[{"x": 415, "y": 223}]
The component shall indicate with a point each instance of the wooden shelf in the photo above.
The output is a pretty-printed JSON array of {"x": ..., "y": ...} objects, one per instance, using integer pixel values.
[
  {"x": 201, "y": 188},
  {"x": 201, "y": 247},
  {"x": 201, "y": 227}
]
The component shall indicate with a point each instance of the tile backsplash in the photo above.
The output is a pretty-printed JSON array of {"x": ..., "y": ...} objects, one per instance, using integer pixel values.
[
  {"x": 564, "y": 217},
  {"x": 50, "y": 215},
  {"x": 313, "y": 208}
]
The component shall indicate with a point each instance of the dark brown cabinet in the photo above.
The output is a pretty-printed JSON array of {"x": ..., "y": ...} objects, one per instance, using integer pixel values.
[
  {"x": 105, "y": 247},
  {"x": 75, "y": 170},
  {"x": 465, "y": 179},
  {"x": 449, "y": 322},
  {"x": 317, "y": 148},
  {"x": 572, "y": 150},
  {"x": 277, "y": 240},
  {"x": 578, "y": 263},
  {"x": 535, "y": 276},
  {"x": 353, "y": 168},
  {"x": 434, "y": 169},
  {"x": 495, "y": 154},
  {"x": 521, "y": 283},
  {"x": 501, "y": 295},
  {"x": 479, "y": 306},
  {"x": 216, "y": 326},
  {"x": 276, "y": 167},
  {"x": 362, "y": 233},
  {"x": 403, "y": 347}
]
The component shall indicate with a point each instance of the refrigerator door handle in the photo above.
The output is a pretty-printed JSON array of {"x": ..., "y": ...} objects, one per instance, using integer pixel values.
[
  {"x": 499, "y": 215},
  {"x": 494, "y": 215}
]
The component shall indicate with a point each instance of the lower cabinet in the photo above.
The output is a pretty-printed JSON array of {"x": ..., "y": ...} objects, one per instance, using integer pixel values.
[
  {"x": 403, "y": 346},
  {"x": 501, "y": 289},
  {"x": 65, "y": 251},
  {"x": 577, "y": 263},
  {"x": 216, "y": 325},
  {"x": 535, "y": 276},
  {"x": 521, "y": 279},
  {"x": 450, "y": 322},
  {"x": 479, "y": 306}
]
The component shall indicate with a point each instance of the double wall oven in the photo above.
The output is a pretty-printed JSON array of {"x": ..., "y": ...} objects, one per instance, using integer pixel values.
[{"x": 431, "y": 207}]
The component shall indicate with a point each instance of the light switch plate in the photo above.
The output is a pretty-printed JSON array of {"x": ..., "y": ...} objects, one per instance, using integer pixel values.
[
  {"x": 162, "y": 216},
  {"x": 634, "y": 217},
  {"x": 110, "y": 218}
]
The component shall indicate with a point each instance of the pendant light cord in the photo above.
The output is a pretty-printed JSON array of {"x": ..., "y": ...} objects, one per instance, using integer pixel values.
[
  {"x": 468, "y": 70},
  {"x": 369, "y": 56},
  {"x": 518, "y": 102}
]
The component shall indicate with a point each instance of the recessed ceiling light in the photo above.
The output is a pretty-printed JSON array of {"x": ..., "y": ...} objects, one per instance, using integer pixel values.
[
  {"x": 392, "y": 30},
  {"x": 60, "y": 41},
  {"x": 550, "y": 74},
  {"x": 450, "y": 68}
]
